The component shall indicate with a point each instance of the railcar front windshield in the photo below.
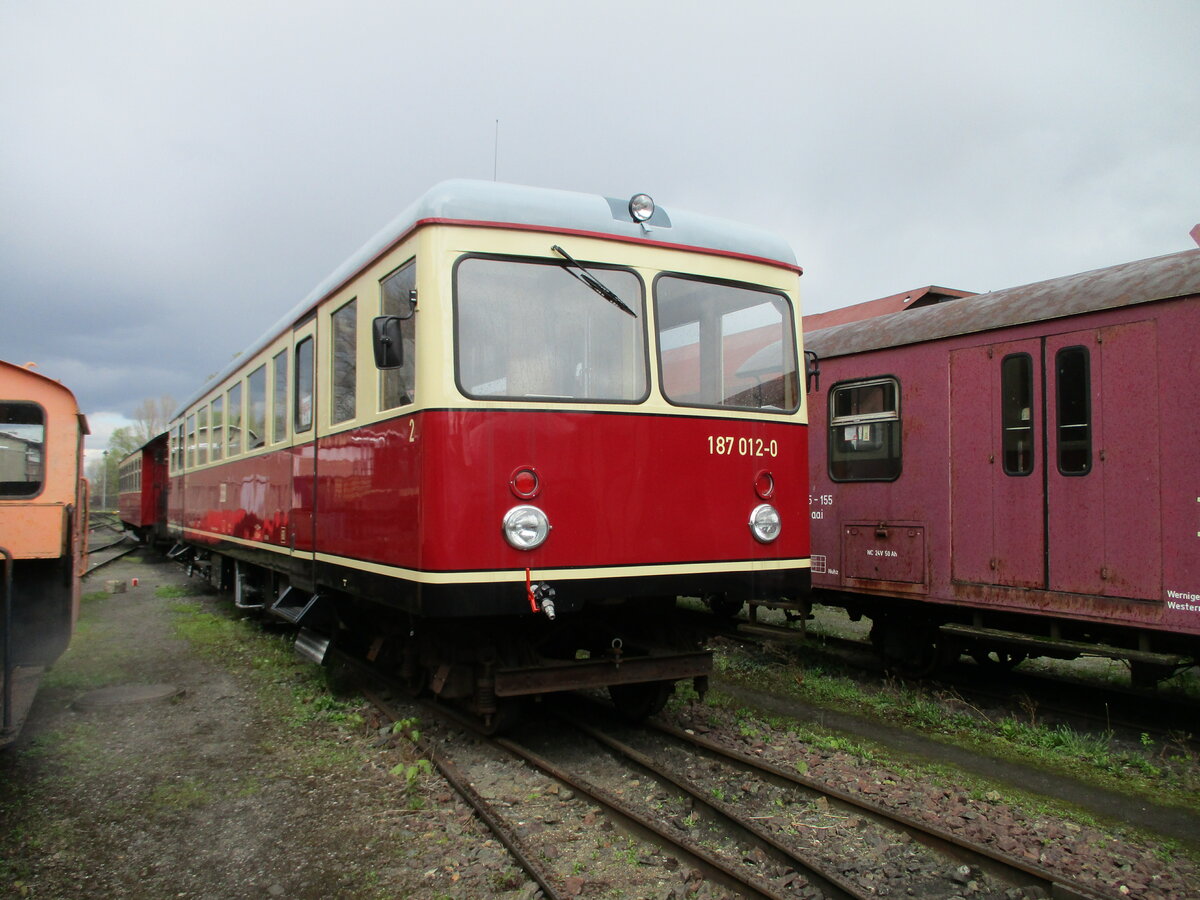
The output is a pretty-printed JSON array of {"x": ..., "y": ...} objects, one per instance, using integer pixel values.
[
  {"x": 726, "y": 345},
  {"x": 530, "y": 330}
]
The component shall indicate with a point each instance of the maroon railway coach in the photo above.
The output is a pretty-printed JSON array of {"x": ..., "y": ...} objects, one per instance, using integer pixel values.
[
  {"x": 522, "y": 422},
  {"x": 1018, "y": 473},
  {"x": 142, "y": 497}
]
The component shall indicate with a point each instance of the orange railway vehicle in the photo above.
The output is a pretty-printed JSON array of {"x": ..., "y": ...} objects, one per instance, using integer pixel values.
[{"x": 43, "y": 531}]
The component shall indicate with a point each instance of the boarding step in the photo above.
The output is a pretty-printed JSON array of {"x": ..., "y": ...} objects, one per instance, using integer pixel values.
[
  {"x": 296, "y": 605},
  {"x": 312, "y": 646}
]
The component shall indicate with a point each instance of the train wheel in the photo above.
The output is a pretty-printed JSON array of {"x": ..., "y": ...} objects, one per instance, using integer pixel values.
[
  {"x": 507, "y": 714},
  {"x": 413, "y": 681},
  {"x": 637, "y": 701},
  {"x": 999, "y": 660},
  {"x": 723, "y": 605}
]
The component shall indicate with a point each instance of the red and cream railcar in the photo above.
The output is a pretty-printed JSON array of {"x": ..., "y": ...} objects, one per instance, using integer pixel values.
[
  {"x": 524, "y": 421},
  {"x": 142, "y": 497},
  {"x": 1017, "y": 473},
  {"x": 43, "y": 532}
]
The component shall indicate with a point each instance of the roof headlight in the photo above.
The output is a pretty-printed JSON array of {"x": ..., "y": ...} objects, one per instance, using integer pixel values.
[
  {"x": 641, "y": 207},
  {"x": 526, "y": 527},
  {"x": 765, "y": 523}
]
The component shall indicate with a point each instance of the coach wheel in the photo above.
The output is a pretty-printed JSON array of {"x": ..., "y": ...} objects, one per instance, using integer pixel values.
[
  {"x": 637, "y": 701},
  {"x": 912, "y": 649},
  {"x": 723, "y": 605},
  {"x": 1147, "y": 675},
  {"x": 999, "y": 660}
]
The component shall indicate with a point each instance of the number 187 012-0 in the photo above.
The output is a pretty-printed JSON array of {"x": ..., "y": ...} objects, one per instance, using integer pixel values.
[{"x": 728, "y": 445}]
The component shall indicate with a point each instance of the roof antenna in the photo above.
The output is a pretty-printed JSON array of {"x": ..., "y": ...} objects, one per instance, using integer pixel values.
[{"x": 495, "y": 150}]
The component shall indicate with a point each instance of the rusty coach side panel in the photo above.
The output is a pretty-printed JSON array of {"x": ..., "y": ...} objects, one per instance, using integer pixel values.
[{"x": 1026, "y": 460}]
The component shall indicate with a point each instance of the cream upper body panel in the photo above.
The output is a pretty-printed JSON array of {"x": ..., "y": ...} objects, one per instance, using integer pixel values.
[{"x": 456, "y": 220}]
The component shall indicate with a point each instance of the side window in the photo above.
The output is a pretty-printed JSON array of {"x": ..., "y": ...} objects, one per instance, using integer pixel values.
[
  {"x": 202, "y": 436},
  {"x": 279, "y": 397},
  {"x": 177, "y": 449},
  {"x": 218, "y": 428},
  {"x": 234, "y": 430},
  {"x": 345, "y": 363},
  {"x": 191, "y": 440},
  {"x": 1016, "y": 413},
  {"x": 1072, "y": 367},
  {"x": 256, "y": 409},
  {"x": 303, "y": 417},
  {"x": 864, "y": 430},
  {"x": 396, "y": 386},
  {"x": 22, "y": 449}
]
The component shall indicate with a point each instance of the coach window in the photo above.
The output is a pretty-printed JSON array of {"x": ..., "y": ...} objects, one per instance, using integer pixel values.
[
  {"x": 723, "y": 345},
  {"x": 202, "y": 436},
  {"x": 234, "y": 430},
  {"x": 342, "y": 402},
  {"x": 218, "y": 428},
  {"x": 864, "y": 430},
  {"x": 304, "y": 385},
  {"x": 1016, "y": 413},
  {"x": 22, "y": 449},
  {"x": 1073, "y": 370},
  {"x": 256, "y": 408},
  {"x": 191, "y": 440},
  {"x": 279, "y": 397},
  {"x": 396, "y": 385}
]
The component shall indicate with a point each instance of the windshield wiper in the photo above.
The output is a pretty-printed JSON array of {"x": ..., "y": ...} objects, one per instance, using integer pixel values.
[{"x": 591, "y": 281}]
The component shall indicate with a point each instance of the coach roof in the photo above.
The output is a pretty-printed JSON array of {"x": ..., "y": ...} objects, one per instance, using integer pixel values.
[
  {"x": 484, "y": 203},
  {"x": 1144, "y": 281}
]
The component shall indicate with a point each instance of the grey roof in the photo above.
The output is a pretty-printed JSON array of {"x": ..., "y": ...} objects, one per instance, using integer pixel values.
[
  {"x": 1144, "y": 281},
  {"x": 489, "y": 202}
]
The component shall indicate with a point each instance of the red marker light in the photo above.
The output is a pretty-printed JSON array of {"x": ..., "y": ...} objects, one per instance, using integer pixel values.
[
  {"x": 524, "y": 483},
  {"x": 764, "y": 485}
]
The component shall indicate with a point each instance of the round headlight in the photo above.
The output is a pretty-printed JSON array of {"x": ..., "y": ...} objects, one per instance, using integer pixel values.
[
  {"x": 641, "y": 207},
  {"x": 765, "y": 523},
  {"x": 526, "y": 527}
]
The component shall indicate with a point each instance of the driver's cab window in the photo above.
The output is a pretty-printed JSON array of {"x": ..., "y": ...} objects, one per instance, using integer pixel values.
[
  {"x": 22, "y": 449},
  {"x": 397, "y": 387}
]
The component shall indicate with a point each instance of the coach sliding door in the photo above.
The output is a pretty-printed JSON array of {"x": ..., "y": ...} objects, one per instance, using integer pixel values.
[
  {"x": 1103, "y": 510},
  {"x": 1055, "y": 451}
]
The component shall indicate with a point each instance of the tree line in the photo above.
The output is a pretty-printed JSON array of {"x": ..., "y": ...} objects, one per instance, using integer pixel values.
[{"x": 150, "y": 419}]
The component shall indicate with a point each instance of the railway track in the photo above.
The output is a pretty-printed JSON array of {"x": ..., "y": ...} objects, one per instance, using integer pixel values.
[
  {"x": 100, "y": 556},
  {"x": 757, "y": 829}
]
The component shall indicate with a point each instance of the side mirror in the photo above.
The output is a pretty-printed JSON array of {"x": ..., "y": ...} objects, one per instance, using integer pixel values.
[
  {"x": 812, "y": 367},
  {"x": 388, "y": 342}
]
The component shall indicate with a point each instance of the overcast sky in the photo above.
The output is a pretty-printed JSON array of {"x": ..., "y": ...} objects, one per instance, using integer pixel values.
[{"x": 174, "y": 176}]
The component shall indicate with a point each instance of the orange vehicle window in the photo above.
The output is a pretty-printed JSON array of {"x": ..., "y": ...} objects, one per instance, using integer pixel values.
[{"x": 22, "y": 449}]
